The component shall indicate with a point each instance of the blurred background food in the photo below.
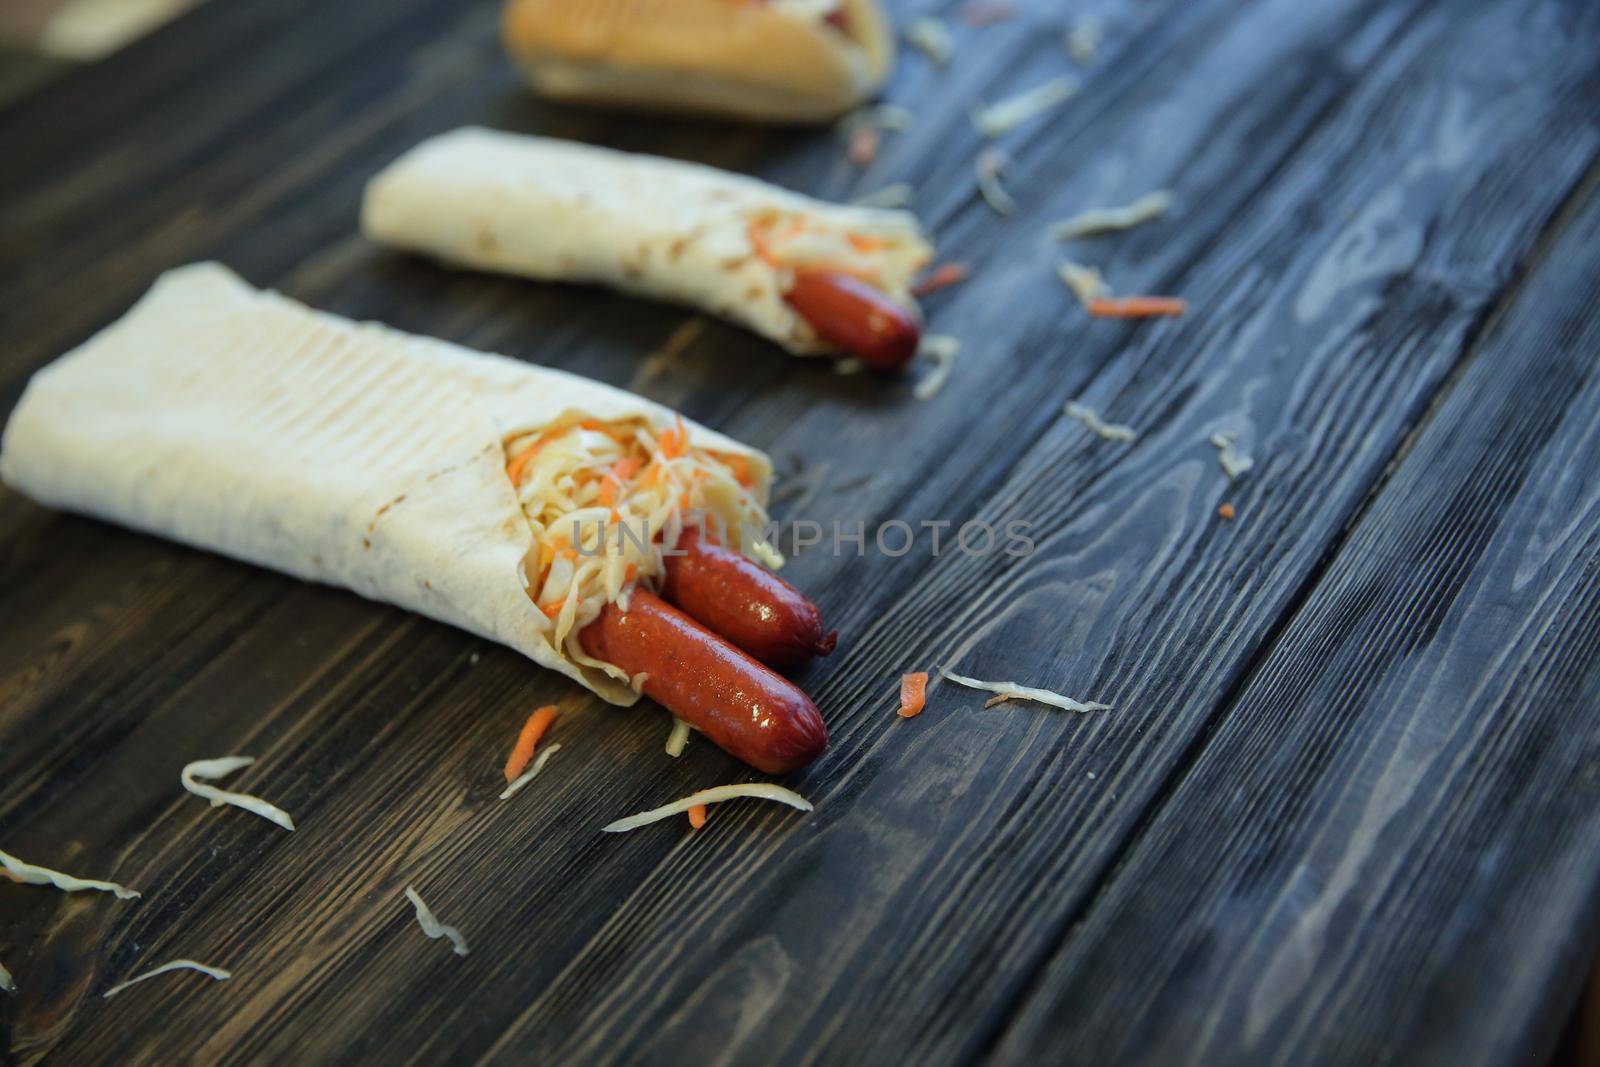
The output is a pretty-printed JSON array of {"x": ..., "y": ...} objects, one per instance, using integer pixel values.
[
  {"x": 81, "y": 29},
  {"x": 41, "y": 38}
]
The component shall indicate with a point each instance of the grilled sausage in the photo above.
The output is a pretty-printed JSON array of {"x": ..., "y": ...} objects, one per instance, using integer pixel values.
[
  {"x": 743, "y": 707},
  {"x": 853, "y": 316},
  {"x": 743, "y": 602}
]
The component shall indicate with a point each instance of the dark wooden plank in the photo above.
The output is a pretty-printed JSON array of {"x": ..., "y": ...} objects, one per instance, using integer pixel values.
[
  {"x": 947, "y": 853},
  {"x": 1390, "y": 852},
  {"x": 910, "y": 916}
]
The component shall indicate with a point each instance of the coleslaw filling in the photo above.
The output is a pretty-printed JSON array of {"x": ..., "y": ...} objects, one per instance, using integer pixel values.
[
  {"x": 882, "y": 248},
  {"x": 606, "y": 501}
]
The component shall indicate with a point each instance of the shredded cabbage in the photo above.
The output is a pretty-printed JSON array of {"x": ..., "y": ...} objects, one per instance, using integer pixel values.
[
  {"x": 220, "y": 768},
  {"x": 678, "y": 738},
  {"x": 604, "y": 500},
  {"x": 715, "y": 795},
  {"x": 29, "y": 874},
  {"x": 6, "y": 982},
  {"x": 897, "y": 195},
  {"x": 942, "y": 349},
  {"x": 1111, "y": 431},
  {"x": 1105, "y": 219},
  {"x": 990, "y": 164},
  {"x": 1022, "y": 692},
  {"x": 932, "y": 38},
  {"x": 545, "y": 752},
  {"x": 176, "y": 965},
  {"x": 1083, "y": 40},
  {"x": 1084, "y": 281},
  {"x": 1007, "y": 115},
  {"x": 433, "y": 927},
  {"x": 1234, "y": 462}
]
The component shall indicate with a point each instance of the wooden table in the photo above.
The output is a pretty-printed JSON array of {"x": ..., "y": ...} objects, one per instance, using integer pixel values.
[{"x": 1346, "y": 809}]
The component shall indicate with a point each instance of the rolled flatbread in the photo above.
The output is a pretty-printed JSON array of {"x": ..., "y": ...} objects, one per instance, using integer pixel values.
[
  {"x": 691, "y": 234},
  {"x": 774, "y": 60},
  {"x": 406, "y": 469}
]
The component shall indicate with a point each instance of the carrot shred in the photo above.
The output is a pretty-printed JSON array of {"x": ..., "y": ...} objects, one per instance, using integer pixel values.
[
  {"x": 522, "y": 752},
  {"x": 515, "y": 468},
  {"x": 1226, "y": 511},
  {"x": 946, "y": 275},
  {"x": 1136, "y": 307},
  {"x": 620, "y": 472},
  {"x": 740, "y": 468},
  {"x": 913, "y": 694},
  {"x": 865, "y": 242},
  {"x": 697, "y": 816},
  {"x": 553, "y": 608},
  {"x": 630, "y": 572},
  {"x": 674, "y": 441},
  {"x": 757, "y": 232}
]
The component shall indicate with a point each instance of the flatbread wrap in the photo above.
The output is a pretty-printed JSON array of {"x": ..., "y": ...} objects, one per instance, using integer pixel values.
[
  {"x": 480, "y": 491},
  {"x": 769, "y": 60},
  {"x": 817, "y": 278}
]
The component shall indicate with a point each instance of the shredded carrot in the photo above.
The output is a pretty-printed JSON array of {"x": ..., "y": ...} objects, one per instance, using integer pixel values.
[
  {"x": 515, "y": 468},
  {"x": 864, "y": 146},
  {"x": 630, "y": 571},
  {"x": 697, "y": 816},
  {"x": 568, "y": 553},
  {"x": 522, "y": 752},
  {"x": 620, "y": 472},
  {"x": 740, "y": 468},
  {"x": 1226, "y": 511},
  {"x": 674, "y": 441},
  {"x": 865, "y": 242},
  {"x": 757, "y": 232},
  {"x": 945, "y": 276},
  {"x": 913, "y": 694},
  {"x": 553, "y": 608},
  {"x": 1136, "y": 307}
]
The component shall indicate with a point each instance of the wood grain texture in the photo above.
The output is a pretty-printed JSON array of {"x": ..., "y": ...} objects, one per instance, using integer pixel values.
[
  {"x": 1357, "y": 181},
  {"x": 1390, "y": 849}
]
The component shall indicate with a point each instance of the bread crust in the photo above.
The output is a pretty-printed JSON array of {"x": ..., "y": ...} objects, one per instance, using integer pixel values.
[{"x": 744, "y": 59}]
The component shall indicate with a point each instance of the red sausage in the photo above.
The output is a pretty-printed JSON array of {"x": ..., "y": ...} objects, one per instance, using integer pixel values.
[
  {"x": 853, "y": 316},
  {"x": 745, "y": 603},
  {"x": 743, "y": 707}
]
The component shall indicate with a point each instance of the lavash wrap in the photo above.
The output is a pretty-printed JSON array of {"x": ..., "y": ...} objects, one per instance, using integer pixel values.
[
  {"x": 777, "y": 60},
  {"x": 352, "y": 454},
  {"x": 560, "y": 211}
]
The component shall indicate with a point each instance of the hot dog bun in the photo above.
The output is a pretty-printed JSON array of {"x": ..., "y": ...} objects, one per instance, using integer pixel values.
[{"x": 743, "y": 58}]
